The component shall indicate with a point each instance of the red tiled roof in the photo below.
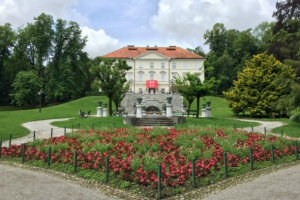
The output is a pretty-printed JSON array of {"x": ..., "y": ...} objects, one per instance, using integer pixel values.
[{"x": 171, "y": 52}]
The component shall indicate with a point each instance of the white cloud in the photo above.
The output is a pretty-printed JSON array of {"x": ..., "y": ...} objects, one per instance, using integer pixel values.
[
  {"x": 187, "y": 20},
  {"x": 99, "y": 43},
  {"x": 20, "y": 12}
]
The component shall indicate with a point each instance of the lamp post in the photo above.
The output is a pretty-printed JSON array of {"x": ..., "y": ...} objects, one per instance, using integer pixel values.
[{"x": 40, "y": 93}]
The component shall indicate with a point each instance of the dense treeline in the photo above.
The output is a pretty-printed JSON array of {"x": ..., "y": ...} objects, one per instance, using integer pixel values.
[
  {"x": 44, "y": 59},
  {"x": 231, "y": 48},
  {"x": 229, "y": 62}
]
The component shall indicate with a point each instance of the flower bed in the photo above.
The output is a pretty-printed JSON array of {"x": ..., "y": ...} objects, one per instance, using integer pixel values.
[{"x": 134, "y": 154}]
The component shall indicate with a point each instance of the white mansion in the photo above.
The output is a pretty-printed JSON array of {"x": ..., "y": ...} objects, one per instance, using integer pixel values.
[{"x": 154, "y": 68}]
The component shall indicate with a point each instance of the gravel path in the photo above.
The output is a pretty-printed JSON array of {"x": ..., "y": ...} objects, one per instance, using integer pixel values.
[
  {"x": 280, "y": 185},
  {"x": 17, "y": 183},
  {"x": 42, "y": 128},
  {"x": 269, "y": 125}
]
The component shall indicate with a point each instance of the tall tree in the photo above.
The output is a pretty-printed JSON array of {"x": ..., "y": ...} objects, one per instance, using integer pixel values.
[
  {"x": 195, "y": 87},
  {"x": 182, "y": 86},
  {"x": 257, "y": 89},
  {"x": 110, "y": 75},
  {"x": 25, "y": 88},
  {"x": 7, "y": 39},
  {"x": 119, "y": 96},
  {"x": 198, "y": 50},
  {"x": 286, "y": 10},
  {"x": 216, "y": 38},
  {"x": 67, "y": 72}
]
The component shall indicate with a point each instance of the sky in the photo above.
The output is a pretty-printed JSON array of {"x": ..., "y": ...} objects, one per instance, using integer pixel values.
[{"x": 112, "y": 24}]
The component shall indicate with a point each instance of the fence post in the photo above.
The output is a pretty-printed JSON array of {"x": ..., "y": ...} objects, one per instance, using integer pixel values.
[
  {"x": 194, "y": 172},
  {"x": 75, "y": 161},
  {"x": 272, "y": 153},
  {"x": 265, "y": 130},
  {"x": 72, "y": 128},
  {"x": 159, "y": 180},
  {"x": 281, "y": 133},
  {"x": 78, "y": 125},
  {"x": 49, "y": 156},
  {"x": 215, "y": 125},
  {"x": 250, "y": 157},
  {"x": 9, "y": 142},
  {"x": 234, "y": 126},
  {"x": 33, "y": 135},
  {"x": 51, "y": 132},
  {"x": 0, "y": 148},
  {"x": 252, "y": 129},
  {"x": 106, "y": 169},
  {"x": 93, "y": 127},
  {"x": 23, "y": 153},
  {"x": 65, "y": 130},
  {"x": 296, "y": 149},
  {"x": 225, "y": 165}
]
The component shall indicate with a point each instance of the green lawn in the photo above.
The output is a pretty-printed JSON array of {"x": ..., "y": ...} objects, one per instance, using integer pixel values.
[
  {"x": 10, "y": 121},
  {"x": 292, "y": 129},
  {"x": 93, "y": 122},
  {"x": 11, "y": 118},
  {"x": 212, "y": 122}
]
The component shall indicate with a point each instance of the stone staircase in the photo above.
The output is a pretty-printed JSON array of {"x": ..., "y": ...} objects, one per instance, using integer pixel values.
[{"x": 154, "y": 121}]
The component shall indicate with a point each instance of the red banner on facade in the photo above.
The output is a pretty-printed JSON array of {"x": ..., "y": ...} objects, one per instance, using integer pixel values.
[{"x": 151, "y": 83}]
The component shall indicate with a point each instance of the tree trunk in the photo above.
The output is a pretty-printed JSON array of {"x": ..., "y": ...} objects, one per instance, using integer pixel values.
[
  {"x": 189, "y": 108},
  {"x": 110, "y": 106},
  {"x": 198, "y": 105},
  {"x": 117, "y": 107}
]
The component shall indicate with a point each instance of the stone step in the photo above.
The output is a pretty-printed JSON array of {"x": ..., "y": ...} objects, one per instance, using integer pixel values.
[{"x": 157, "y": 121}]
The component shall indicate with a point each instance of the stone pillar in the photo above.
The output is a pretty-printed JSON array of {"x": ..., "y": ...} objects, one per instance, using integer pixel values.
[
  {"x": 163, "y": 112},
  {"x": 208, "y": 112},
  {"x": 138, "y": 111},
  {"x": 104, "y": 112},
  {"x": 99, "y": 112},
  {"x": 203, "y": 112},
  {"x": 169, "y": 110}
]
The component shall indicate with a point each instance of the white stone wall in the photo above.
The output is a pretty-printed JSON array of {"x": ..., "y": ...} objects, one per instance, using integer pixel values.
[{"x": 151, "y": 63}]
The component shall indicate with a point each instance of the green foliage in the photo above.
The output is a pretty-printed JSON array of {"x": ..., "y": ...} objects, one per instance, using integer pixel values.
[
  {"x": 25, "y": 89},
  {"x": 110, "y": 76},
  {"x": 191, "y": 87},
  {"x": 7, "y": 39},
  {"x": 53, "y": 51},
  {"x": 150, "y": 163},
  {"x": 296, "y": 117},
  {"x": 135, "y": 163},
  {"x": 256, "y": 89}
]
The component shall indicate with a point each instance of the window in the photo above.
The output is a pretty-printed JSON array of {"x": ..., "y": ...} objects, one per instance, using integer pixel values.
[
  {"x": 151, "y": 65},
  {"x": 162, "y": 65},
  {"x": 151, "y": 76},
  {"x": 174, "y": 76},
  {"x": 141, "y": 65},
  {"x": 129, "y": 76},
  {"x": 185, "y": 65},
  {"x": 162, "y": 76},
  {"x": 174, "y": 65},
  {"x": 140, "y": 76}
]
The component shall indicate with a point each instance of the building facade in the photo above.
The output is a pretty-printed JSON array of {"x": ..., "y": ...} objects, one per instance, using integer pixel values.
[{"x": 155, "y": 68}]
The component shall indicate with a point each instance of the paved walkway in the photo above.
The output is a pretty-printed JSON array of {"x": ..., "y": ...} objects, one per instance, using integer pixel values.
[
  {"x": 280, "y": 185},
  {"x": 262, "y": 125},
  {"x": 19, "y": 184},
  {"x": 43, "y": 130}
]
